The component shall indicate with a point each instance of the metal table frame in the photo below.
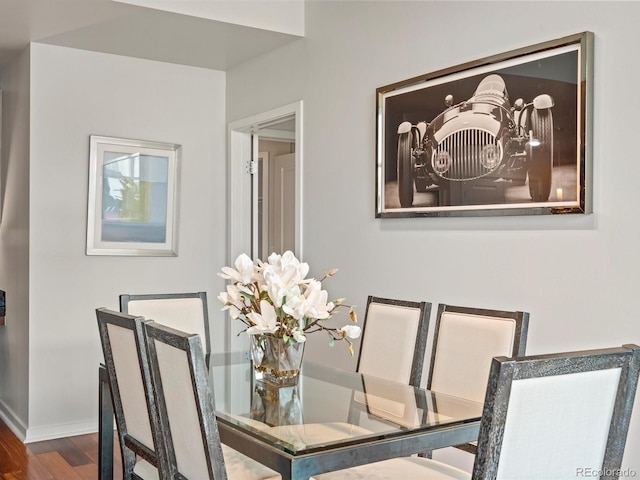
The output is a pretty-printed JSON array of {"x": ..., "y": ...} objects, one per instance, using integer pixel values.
[
  {"x": 298, "y": 467},
  {"x": 293, "y": 467}
]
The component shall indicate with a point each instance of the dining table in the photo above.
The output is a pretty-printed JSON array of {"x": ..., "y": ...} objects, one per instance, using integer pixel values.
[{"x": 330, "y": 420}]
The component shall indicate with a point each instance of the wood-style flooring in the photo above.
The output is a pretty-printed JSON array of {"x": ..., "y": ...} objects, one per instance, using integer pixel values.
[{"x": 72, "y": 458}]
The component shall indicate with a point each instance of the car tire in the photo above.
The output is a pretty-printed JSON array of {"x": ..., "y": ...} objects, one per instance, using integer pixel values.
[
  {"x": 405, "y": 170},
  {"x": 541, "y": 156}
]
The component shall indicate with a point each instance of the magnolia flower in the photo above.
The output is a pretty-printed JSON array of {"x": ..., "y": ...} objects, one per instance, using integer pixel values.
[
  {"x": 298, "y": 335},
  {"x": 281, "y": 295},
  {"x": 243, "y": 272},
  {"x": 351, "y": 331},
  {"x": 316, "y": 304},
  {"x": 232, "y": 300},
  {"x": 264, "y": 322},
  {"x": 285, "y": 270},
  {"x": 276, "y": 298}
]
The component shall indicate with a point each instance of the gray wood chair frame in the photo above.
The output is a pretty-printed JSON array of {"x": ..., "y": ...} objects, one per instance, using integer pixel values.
[
  {"x": 421, "y": 337},
  {"x": 530, "y": 442},
  {"x": 521, "y": 320},
  {"x": 126, "y": 298},
  {"x": 191, "y": 345},
  {"x": 130, "y": 446},
  {"x": 504, "y": 371}
]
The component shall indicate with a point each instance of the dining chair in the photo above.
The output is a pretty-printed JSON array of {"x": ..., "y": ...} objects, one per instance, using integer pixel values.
[
  {"x": 394, "y": 339},
  {"x": 127, "y": 366},
  {"x": 186, "y": 411},
  {"x": 187, "y": 312},
  {"x": 465, "y": 340},
  {"x": 556, "y": 416}
]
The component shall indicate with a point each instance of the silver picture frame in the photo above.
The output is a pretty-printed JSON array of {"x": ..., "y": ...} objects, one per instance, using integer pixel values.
[
  {"x": 508, "y": 134},
  {"x": 133, "y": 197}
]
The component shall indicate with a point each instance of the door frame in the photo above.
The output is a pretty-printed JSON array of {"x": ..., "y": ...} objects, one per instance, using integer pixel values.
[
  {"x": 239, "y": 187},
  {"x": 239, "y": 182}
]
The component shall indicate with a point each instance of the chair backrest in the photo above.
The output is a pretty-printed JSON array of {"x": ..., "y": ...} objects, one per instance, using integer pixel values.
[
  {"x": 185, "y": 403},
  {"x": 563, "y": 415},
  {"x": 394, "y": 340},
  {"x": 187, "y": 312},
  {"x": 128, "y": 370},
  {"x": 465, "y": 341}
]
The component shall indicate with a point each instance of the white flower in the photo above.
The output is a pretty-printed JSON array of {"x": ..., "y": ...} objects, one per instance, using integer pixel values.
[
  {"x": 298, "y": 335},
  {"x": 264, "y": 322},
  {"x": 243, "y": 272},
  {"x": 286, "y": 270},
  {"x": 316, "y": 304},
  {"x": 281, "y": 295},
  {"x": 276, "y": 298},
  {"x": 351, "y": 331},
  {"x": 232, "y": 301}
]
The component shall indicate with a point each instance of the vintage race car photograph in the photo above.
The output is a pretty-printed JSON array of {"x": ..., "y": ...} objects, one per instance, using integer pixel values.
[
  {"x": 489, "y": 140},
  {"x": 482, "y": 138}
]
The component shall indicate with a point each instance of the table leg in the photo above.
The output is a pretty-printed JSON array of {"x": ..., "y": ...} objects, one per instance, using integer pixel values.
[{"x": 105, "y": 427}]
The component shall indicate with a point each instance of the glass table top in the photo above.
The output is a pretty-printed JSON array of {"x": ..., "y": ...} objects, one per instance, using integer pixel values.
[{"x": 329, "y": 407}]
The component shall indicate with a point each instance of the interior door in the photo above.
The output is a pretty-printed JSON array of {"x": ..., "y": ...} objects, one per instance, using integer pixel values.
[{"x": 282, "y": 234}]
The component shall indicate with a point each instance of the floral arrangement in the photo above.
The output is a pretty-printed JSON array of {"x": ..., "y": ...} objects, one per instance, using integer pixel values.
[{"x": 275, "y": 298}]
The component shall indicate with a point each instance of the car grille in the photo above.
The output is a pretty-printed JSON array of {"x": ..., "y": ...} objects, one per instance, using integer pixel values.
[{"x": 465, "y": 150}]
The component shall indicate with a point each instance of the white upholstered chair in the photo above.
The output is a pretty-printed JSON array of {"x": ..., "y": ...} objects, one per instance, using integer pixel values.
[
  {"x": 187, "y": 312},
  {"x": 127, "y": 368},
  {"x": 465, "y": 341},
  {"x": 406, "y": 323},
  {"x": 186, "y": 411},
  {"x": 546, "y": 416}
]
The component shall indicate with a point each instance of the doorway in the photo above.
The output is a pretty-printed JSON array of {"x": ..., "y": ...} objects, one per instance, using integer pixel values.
[
  {"x": 275, "y": 185},
  {"x": 264, "y": 185}
]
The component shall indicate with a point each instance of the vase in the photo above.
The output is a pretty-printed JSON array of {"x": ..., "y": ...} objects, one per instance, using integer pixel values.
[
  {"x": 275, "y": 361},
  {"x": 276, "y": 405}
]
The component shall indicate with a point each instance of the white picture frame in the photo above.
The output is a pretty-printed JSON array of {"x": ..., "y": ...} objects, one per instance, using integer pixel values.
[{"x": 133, "y": 197}]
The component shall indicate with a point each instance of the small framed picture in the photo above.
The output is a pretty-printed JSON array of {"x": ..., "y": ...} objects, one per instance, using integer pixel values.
[
  {"x": 133, "y": 197},
  {"x": 504, "y": 135}
]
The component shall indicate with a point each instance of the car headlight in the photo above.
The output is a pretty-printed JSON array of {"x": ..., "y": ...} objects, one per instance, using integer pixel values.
[
  {"x": 441, "y": 162},
  {"x": 490, "y": 156}
]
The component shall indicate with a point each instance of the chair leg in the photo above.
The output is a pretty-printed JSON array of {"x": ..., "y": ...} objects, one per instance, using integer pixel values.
[{"x": 105, "y": 438}]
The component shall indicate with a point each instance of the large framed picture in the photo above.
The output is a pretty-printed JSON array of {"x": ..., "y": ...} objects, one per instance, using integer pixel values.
[
  {"x": 505, "y": 135},
  {"x": 133, "y": 195}
]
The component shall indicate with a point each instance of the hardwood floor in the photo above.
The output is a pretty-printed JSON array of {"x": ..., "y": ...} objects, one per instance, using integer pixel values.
[{"x": 72, "y": 458}]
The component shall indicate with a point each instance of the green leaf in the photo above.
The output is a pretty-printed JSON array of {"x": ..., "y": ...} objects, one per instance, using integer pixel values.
[{"x": 247, "y": 295}]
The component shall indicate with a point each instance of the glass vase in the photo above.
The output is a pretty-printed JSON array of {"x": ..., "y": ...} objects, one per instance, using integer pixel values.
[
  {"x": 276, "y": 405},
  {"x": 276, "y": 361}
]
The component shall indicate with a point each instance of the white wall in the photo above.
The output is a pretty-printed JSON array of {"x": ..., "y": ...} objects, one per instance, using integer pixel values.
[
  {"x": 576, "y": 275},
  {"x": 14, "y": 242},
  {"x": 286, "y": 16},
  {"x": 74, "y": 94}
]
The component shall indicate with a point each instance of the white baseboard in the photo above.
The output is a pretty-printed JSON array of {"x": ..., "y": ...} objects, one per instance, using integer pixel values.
[
  {"x": 15, "y": 424},
  {"x": 50, "y": 432},
  {"x": 29, "y": 435}
]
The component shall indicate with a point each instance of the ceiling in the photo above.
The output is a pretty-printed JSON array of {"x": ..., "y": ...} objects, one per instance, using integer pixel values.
[{"x": 122, "y": 29}]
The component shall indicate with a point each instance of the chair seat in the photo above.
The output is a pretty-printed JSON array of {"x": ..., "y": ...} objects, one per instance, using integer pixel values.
[
  {"x": 398, "y": 469},
  {"x": 146, "y": 471},
  {"x": 241, "y": 467}
]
